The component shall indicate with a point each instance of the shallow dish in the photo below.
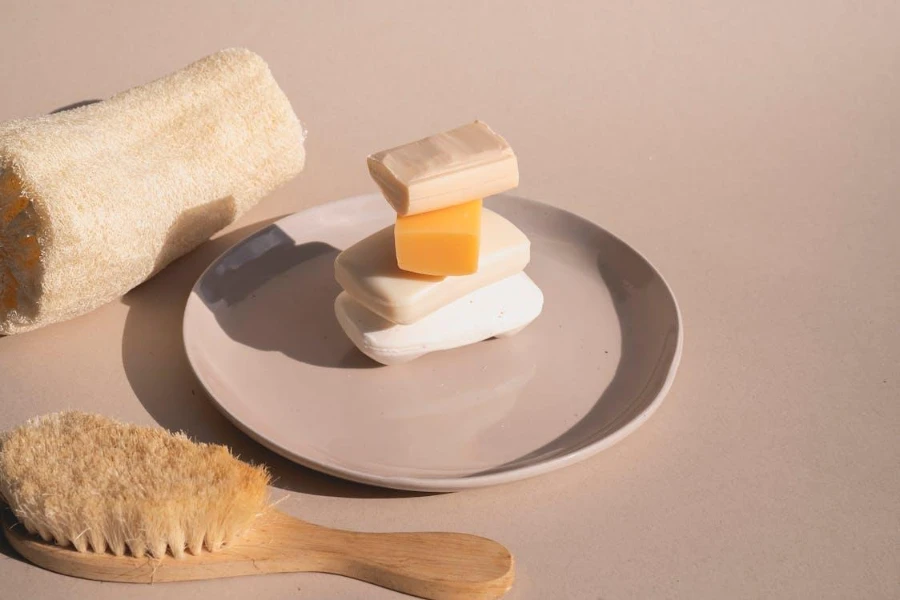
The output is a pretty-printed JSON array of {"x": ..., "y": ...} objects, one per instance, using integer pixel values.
[{"x": 261, "y": 335}]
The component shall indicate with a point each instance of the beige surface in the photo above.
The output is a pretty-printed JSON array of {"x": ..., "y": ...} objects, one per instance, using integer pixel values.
[{"x": 751, "y": 153}]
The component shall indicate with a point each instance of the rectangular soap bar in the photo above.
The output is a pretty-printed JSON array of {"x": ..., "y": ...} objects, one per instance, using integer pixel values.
[
  {"x": 445, "y": 169},
  {"x": 440, "y": 242},
  {"x": 368, "y": 271},
  {"x": 501, "y": 309}
]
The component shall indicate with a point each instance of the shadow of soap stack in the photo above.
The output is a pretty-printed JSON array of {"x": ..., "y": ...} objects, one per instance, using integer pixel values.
[
  {"x": 160, "y": 375},
  {"x": 252, "y": 270}
]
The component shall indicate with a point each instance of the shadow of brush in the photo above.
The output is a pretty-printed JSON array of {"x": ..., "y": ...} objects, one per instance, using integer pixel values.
[
  {"x": 159, "y": 373},
  {"x": 5, "y": 548}
]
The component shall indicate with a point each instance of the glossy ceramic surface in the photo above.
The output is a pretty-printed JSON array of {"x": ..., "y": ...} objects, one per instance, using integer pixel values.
[{"x": 262, "y": 337}]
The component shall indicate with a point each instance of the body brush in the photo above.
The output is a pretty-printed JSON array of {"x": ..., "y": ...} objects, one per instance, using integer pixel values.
[{"x": 97, "y": 499}]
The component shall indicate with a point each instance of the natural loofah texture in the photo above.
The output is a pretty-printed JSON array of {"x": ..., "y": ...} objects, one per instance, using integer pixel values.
[
  {"x": 95, "y": 200},
  {"x": 95, "y": 483}
]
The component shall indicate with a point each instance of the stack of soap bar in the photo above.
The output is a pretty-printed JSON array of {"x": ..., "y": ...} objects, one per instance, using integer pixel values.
[
  {"x": 368, "y": 271},
  {"x": 449, "y": 272}
]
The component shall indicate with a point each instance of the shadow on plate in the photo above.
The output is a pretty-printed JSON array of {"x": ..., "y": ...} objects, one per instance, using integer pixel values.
[
  {"x": 273, "y": 295},
  {"x": 161, "y": 377}
]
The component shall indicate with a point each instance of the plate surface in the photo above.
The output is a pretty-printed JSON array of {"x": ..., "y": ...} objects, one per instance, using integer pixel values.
[{"x": 261, "y": 335}]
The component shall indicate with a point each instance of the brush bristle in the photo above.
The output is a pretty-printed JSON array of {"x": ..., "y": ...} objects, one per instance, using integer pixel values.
[{"x": 97, "y": 484}]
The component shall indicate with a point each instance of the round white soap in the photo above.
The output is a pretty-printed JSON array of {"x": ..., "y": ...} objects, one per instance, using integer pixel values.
[{"x": 500, "y": 309}]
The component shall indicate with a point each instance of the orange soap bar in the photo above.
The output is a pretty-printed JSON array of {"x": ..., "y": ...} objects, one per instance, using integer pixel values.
[{"x": 440, "y": 242}]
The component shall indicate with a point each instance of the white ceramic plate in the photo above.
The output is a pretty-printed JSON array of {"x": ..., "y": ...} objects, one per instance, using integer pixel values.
[{"x": 261, "y": 335}]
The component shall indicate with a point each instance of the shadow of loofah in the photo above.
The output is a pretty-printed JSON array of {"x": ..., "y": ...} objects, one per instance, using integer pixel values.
[{"x": 75, "y": 105}]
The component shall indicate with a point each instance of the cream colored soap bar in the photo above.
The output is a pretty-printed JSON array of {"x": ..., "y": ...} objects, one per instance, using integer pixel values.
[
  {"x": 368, "y": 271},
  {"x": 501, "y": 309},
  {"x": 445, "y": 169}
]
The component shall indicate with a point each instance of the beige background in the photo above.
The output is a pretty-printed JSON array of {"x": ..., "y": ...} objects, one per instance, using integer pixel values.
[{"x": 750, "y": 150}]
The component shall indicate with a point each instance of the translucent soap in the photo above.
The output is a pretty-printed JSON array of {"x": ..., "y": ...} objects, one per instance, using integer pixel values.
[{"x": 440, "y": 242}]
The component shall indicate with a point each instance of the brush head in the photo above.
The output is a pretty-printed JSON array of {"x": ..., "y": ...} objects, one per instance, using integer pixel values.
[{"x": 98, "y": 484}]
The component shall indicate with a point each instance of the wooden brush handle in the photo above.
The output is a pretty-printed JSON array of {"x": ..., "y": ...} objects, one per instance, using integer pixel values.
[
  {"x": 428, "y": 565},
  {"x": 440, "y": 566}
]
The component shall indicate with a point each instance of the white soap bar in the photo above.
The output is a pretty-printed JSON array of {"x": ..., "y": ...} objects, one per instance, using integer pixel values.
[
  {"x": 445, "y": 169},
  {"x": 368, "y": 271},
  {"x": 498, "y": 310}
]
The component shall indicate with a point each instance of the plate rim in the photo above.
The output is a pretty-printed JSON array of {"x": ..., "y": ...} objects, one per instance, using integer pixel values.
[{"x": 445, "y": 484}]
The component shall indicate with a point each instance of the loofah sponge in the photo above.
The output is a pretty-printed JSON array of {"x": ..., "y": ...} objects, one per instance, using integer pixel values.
[
  {"x": 95, "y": 200},
  {"x": 89, "y": 481}
]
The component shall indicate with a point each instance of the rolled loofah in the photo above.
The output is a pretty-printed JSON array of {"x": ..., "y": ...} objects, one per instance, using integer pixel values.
[
  {"x": 97, "y": 199},
  {"x": 97, "y": 484}
]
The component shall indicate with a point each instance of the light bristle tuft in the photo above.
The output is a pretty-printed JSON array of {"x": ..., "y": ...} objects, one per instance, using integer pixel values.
[
  {"x": 137, "y": 548},
  {"x": 45, "y": 534},
  {"x": 195, "y": 541},
  {"x": 176, "y": 542},
  {"x": 96, "y": 484},
  {"x": 79, "y": 541},
  {"x": 98, "y": 544}
]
